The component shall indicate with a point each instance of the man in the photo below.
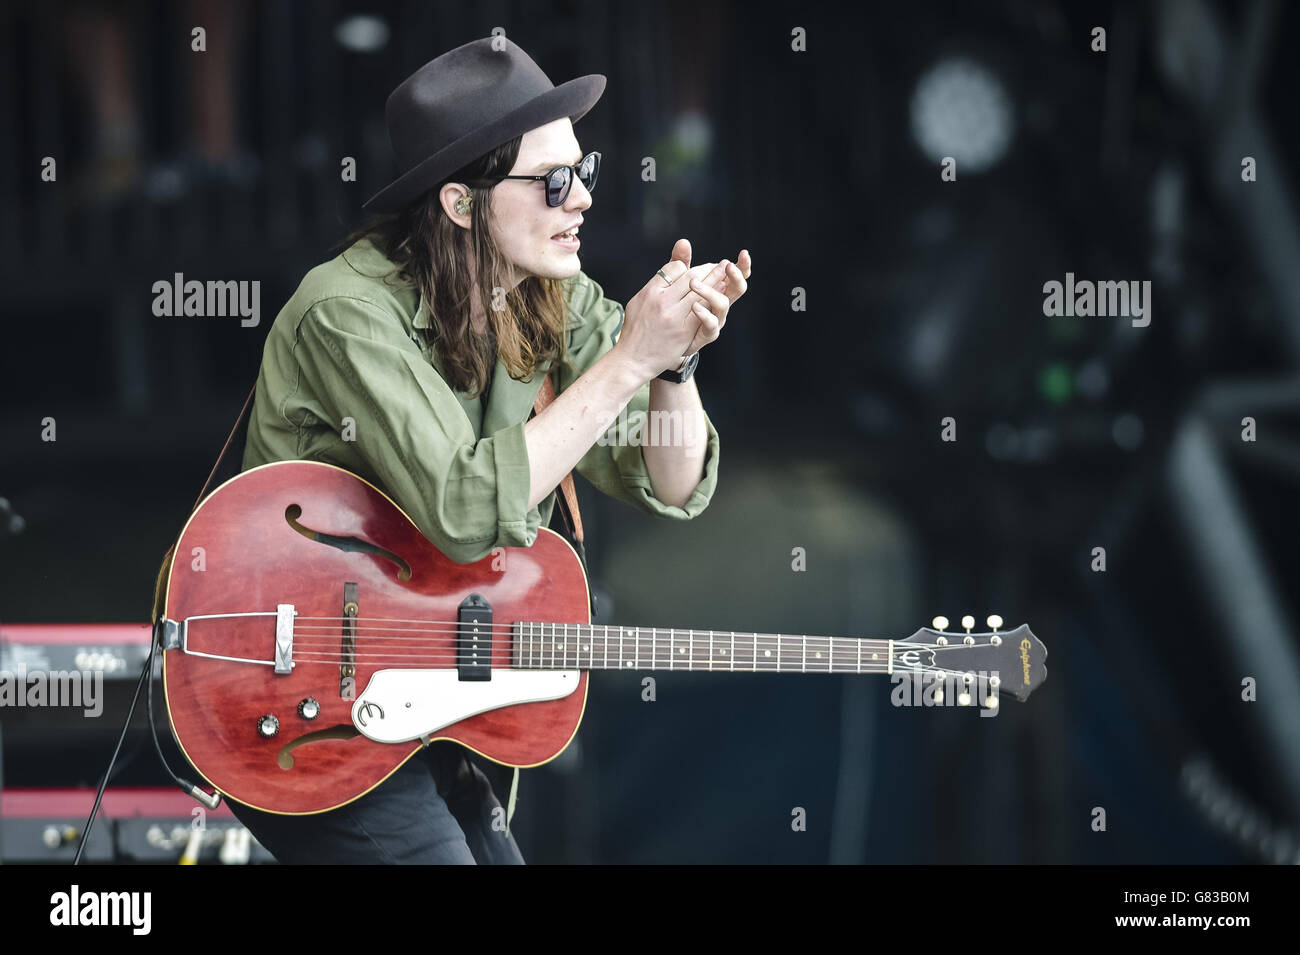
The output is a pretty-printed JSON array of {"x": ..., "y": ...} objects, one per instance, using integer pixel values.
[{"x": 414, "y": 358}]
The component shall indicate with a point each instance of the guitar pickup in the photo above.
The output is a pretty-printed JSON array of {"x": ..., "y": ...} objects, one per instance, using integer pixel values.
[{"x": 474, "y": 639}]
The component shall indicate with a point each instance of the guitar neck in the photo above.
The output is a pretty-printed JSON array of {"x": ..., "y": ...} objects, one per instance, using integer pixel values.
[{"x": 581, "y": 646}]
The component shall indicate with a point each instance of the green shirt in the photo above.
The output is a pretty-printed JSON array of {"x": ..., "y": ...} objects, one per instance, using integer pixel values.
[{"x": 347, "y": 379}]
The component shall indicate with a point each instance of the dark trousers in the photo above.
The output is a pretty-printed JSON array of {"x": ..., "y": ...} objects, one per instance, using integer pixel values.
[{"x": 437, "y": 809}]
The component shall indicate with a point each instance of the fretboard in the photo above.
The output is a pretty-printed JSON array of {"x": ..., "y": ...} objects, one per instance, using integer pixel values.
[{"x": 581, "y": 646}]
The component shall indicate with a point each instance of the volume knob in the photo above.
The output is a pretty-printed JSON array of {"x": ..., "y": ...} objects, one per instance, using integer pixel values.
[
  {"x": 267, "y": 726},
  {"x": 309, "y": 708}
]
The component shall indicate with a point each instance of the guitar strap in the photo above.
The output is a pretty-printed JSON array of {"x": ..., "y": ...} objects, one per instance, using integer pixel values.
[
  {"x": 160, "y": 588},
  {"x": 544, "y": 398}
]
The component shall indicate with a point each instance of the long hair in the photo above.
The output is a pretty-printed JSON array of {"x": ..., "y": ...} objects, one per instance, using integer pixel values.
[{"x": 528, "y": 323}]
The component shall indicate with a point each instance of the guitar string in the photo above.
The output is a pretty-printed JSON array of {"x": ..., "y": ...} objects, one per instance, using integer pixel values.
[
  {"x": 391, "y": 620},
  {"x": 455, "y": 627},
  {"x": 451, "y": 660},
  {"x": 781, "y": 644}
]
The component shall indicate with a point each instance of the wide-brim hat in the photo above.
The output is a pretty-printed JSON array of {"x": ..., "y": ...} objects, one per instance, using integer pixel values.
[{"x": 464, "y": 104}]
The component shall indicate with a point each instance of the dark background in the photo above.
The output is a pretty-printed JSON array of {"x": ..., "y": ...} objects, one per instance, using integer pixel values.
[{"x": 924, "y": 300}]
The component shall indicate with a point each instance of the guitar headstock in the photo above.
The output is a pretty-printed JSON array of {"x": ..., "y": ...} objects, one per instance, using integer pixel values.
[{"x": 1016, "y": 658}]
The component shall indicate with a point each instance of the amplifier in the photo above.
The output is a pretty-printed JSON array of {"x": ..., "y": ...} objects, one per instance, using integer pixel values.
[
  {"x": 115, "y": 650},
  {"x": 60, "y": 677},
  {"x": 159, "y": 825}
]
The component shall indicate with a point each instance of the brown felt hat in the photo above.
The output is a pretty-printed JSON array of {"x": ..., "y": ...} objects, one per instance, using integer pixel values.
[{"x": 464, "y": 104}]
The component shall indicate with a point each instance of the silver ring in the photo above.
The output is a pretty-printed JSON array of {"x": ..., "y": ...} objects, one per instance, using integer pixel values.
[{"x": 660, "y": 272}]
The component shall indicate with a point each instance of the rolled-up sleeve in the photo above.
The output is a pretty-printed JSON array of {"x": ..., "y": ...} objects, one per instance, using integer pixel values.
[
  {"x": 616, "y": 464},
  {"x": 466, "y": 495}
]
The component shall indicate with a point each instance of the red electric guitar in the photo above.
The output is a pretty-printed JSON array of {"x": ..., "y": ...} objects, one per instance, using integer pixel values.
[{"x": 315, "y": 640}]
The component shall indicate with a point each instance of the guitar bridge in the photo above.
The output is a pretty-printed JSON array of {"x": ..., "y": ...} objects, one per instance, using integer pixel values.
[{"x": 176, "y": 635}]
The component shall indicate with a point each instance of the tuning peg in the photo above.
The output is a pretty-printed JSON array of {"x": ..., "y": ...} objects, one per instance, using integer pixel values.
[
  {"x": 991, "y": 701},
  {"x": 994, "y": 622},
  {"x": 963, "y": 698},
  {"x": 968, "y": 621},
  {"x": 939, "y": 623}
]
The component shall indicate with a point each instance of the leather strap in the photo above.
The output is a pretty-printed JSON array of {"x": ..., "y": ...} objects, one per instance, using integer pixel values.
[
  {"x": 544, "y": 398},
  {"x": 160, "y": 584}
]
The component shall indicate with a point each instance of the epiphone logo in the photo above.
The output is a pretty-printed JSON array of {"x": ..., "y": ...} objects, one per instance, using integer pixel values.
[{"x": 1024, "y": 658}]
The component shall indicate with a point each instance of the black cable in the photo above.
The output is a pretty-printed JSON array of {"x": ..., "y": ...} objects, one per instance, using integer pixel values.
[
  {"x": 99, "y": 796},
  {"x": 153, "y": 729},
  {"x": 208, "y": 800}
]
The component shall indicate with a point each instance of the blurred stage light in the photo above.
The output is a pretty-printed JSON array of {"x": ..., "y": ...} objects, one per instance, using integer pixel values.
[
  {"x": 361, "y": 34},
  {"x": 1128, "y": 431},
  {"x": 960, "y": 108}
]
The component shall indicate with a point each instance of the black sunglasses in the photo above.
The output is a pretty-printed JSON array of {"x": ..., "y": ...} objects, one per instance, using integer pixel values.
[{"x": 560, "y": 179}]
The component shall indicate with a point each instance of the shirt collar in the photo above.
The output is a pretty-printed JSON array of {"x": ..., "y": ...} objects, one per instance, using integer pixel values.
[{"x": 423, "y": 316}]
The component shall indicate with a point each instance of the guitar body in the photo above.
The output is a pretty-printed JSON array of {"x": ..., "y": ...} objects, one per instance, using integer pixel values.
[{"x": 247, "y": 549}]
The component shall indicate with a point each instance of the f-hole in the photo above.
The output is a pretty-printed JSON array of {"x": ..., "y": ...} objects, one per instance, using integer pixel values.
[
  {"x": 284, "y": 759},
  {"x": 293, "y": 512}
]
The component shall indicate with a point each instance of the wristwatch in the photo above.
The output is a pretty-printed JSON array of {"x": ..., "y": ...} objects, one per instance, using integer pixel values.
[{"x": 683, "y": 372}]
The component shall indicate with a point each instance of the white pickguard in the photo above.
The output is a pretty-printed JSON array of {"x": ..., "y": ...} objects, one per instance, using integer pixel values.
[{"x": 402, "y": 705}]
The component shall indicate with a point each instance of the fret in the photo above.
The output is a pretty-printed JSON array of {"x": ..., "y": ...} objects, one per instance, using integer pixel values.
[
  {"x": 733, "y": 651},
  {"x": 690, "y": 653},
  {"x": 859, "y": 654},
  {"x": 654, "y": 648},
  {"x": 819, "y": 655},
  {"x": 804, "y": 665}
]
